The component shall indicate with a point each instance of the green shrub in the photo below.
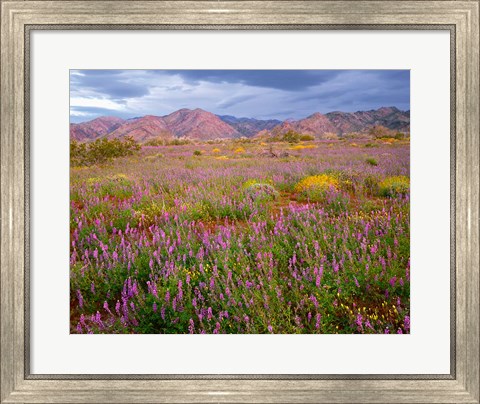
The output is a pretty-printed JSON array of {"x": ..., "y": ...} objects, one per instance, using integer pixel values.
[
  {"x": 347, "y": 180},
  {"x": 330, "y": 136},
  {"x": 197, "y": 153},
  {"x": 371, "y": 161},
  {"x": 261, "y": 192},
  {"x": 159, "y": 141},
  {"x": 291, "y": 137},
  {"x": 380, "y": 132},
  {"x": 369, "y": 206},
  {"x": 306, "y": 138},
  {"x": 370, "y": 185},
  {"x": 101, "y": 150},
  {"x": 178, "y": 142}
]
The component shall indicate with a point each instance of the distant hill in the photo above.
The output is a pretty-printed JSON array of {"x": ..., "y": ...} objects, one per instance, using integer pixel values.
[
  {"x": 203, "y": 125},
  {"x": 249, "y": 126},
  {"x": 315, "y": 124},
  {"x": 92, "y": 130},
  {"x": 390, "y": 117},
  {"x": 346, "y": 122},
  {"x": 195, "y": 124},
  {"x": 143, "y": 129},
  {"x": 199, "y": 124}
]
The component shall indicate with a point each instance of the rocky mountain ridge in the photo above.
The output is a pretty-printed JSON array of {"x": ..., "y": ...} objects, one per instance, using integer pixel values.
[{"x": 203, "y": 125}]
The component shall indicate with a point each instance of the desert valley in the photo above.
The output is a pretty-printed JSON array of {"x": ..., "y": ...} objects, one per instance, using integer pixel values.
[{"x": 198, "y": 223}]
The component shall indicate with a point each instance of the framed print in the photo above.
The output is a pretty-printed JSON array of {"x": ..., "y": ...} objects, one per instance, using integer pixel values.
[
  {"x": 240, "y": 201},
  {"x": 209, "y": 279}
]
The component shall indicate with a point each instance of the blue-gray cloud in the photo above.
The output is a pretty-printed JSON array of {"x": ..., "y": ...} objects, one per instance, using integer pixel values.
[
  {"x": 290, "y": 80},
  {"x": 113, "y": 83},
  {"x": 261, "y": 94},
  {"x": 96, "y": 111},
  {"x": 232, "y": 101}
]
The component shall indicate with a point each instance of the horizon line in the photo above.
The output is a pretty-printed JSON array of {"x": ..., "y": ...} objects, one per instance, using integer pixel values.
[{"x": 236, "y": 117}]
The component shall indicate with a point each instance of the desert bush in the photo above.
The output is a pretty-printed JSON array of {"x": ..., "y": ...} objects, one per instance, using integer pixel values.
[
  {"x": 291, "y": 137},
  {"x": 302, "y": 146},
  {"x": 261, "y": 192},
  {"x": 78, "y": 153},
  {"x": 314, "y": 187},
  {"x": 101, "y": 151},
  {"x": 394, "y": 186},
  {"x": 369, "y": 206},
  {"x": 158, "y": 141},
  {"x": 379, "y": 131},
  {"x": 178, "y": 142},
  {"x": 370, "y": 185},
  {"x": 326, "y": 189},
  {"x": 330, "y": 136},
  {"x": 272, "y": 139},
  {"x": 306, "y": 138},
  {"x": 243, "y": 140},
  {"x": 347, "y": 180},
  {"x": 372, "y": 161},
  {"x": 215, "y": 141},
  {"x": 356, "y": 135},
  {"x": 197, "y": 153}
]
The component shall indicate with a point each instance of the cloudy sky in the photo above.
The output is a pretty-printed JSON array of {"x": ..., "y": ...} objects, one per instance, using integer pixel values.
[{"x": 261, "y": 94}]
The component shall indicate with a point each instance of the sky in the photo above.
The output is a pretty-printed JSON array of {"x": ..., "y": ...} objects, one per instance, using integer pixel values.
[{"x": 260, "y": 94}]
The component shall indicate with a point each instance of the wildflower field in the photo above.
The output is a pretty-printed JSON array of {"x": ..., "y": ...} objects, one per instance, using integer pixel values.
[{"x": 243, "y": 237}]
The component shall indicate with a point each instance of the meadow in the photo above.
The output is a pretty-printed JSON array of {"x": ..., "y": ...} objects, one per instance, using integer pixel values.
[{"x": 243, "y": 237}]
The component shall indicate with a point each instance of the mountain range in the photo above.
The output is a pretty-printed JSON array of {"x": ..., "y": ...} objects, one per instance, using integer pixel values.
[{"x": 204, "y": 125}]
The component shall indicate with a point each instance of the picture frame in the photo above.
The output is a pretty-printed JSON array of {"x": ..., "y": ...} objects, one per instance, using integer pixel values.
[{"x": 18, "y": 18}]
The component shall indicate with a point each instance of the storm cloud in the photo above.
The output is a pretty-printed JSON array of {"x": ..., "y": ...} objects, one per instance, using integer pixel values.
[{"x": 261, "y": 94}]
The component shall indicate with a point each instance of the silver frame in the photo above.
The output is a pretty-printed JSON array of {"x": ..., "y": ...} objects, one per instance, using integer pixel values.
[{"x": 19, "y": 18}]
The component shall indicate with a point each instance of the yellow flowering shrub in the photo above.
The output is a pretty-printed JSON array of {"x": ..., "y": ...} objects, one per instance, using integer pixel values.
[
  {"x": 150, "y": 211},
  {"x": 216, "y": 150},
  {"x": 324, "y": 188},
  {"x": 394, "y": 186},
  {"x": 322, "y": 182},
  {"x": 253, "y": 181},
  {"x": 93, "y": 180},
  {"x": 118, "y": 177},
  {"x": 239, "y": 150},
  {"x": 302, "y": 146}
]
